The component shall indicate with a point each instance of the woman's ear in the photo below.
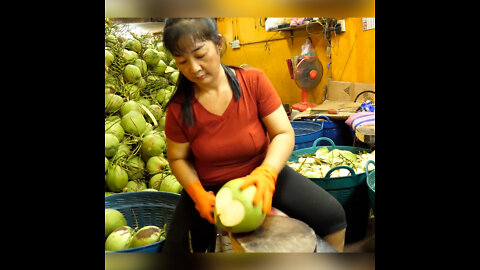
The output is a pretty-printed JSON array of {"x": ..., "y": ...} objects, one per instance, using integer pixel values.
[{"x": 222, "y": 44}]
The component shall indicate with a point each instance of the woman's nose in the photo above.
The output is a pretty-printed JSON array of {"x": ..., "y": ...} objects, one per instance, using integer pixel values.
[{"x": 195, "y": 66}]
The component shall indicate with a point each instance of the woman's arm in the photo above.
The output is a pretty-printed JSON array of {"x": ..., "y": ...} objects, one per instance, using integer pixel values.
[
  {"x": 282, "y": 138},
  {"x": 181, "y": 167}
]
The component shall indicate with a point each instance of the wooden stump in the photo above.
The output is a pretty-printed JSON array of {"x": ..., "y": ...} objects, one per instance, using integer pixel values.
[{"x": 276, "y": 234}]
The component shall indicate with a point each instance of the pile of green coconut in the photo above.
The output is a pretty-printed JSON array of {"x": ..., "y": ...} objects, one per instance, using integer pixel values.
[{"x": 140, "y": 76}]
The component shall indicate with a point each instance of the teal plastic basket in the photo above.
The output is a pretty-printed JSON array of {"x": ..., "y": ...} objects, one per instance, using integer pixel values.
[
  {"x": 371, "y": 184},
  {"x": 146, "y": 208},
  {"x": 351, "y": 191}
]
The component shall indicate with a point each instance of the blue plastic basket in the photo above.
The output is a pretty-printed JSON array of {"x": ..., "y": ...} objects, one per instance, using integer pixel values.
[
  {"x": 147, "y": 208},
  {"x": 336, "y": 130},
  {"x": 306, "y": 132}
]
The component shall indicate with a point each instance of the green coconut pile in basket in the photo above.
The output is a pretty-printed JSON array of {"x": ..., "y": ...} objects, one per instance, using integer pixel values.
[
  {"x": 317, "y": 165},
  {"x": 140, "y": 77}
]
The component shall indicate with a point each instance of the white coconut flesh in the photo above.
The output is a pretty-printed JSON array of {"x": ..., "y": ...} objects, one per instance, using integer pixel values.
[{"x": 230, "y": 211}]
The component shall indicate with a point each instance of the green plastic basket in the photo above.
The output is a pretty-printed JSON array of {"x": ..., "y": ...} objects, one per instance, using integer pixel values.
[
  {"x": 371, "y": 183},
  {"x": 351, "y": 191}
]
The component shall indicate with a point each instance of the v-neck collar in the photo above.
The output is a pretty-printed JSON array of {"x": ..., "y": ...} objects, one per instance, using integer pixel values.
[
  {"x": 195, "y": 100},
  {"x": 211, "y": 113}
]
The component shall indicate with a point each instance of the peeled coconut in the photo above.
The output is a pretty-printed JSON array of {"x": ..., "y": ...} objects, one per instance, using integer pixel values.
[
  {"x": 234, "y": 210},
  {"x": 119, "y": 239},
  {"x": 146, "y": 236},
  {"x": 134, "y": 123},
  {"x": 113, "y": 220}
]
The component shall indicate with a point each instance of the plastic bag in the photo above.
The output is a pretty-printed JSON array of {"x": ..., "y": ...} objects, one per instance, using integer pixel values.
[{"x": 307, "y": 48}]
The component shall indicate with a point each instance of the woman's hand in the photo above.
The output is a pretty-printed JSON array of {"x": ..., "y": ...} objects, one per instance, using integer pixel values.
[
  {"x": 264, "y": 178},
  {"x": 204, "y": 201}
]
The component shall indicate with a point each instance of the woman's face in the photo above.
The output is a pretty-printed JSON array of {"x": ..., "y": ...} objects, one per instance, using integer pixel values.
[{"x": 200, "y": 62}]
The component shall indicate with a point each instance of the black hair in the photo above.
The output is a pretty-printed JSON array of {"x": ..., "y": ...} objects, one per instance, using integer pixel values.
[{"x": 200, "y": 29}]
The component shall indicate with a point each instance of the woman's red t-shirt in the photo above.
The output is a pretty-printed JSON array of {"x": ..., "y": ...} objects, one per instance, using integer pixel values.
[{"x": 231, "y": 145}]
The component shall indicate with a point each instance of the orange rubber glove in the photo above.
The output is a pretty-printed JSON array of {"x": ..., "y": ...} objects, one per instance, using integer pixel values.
[
  {"x": 265, "y": 178},
  {"x": 204, "y": 201}
]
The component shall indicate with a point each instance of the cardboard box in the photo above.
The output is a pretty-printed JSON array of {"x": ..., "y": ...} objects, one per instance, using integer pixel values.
[{"x": 348, "y": 91}]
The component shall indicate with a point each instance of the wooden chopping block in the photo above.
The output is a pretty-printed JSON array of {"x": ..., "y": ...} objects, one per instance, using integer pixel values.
[{"x": 276, "y": 234}]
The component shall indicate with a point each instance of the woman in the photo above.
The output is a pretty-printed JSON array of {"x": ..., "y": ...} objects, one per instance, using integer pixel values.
[{"x": 224, "y": 123}]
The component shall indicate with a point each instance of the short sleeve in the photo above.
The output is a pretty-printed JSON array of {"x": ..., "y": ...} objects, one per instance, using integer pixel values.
[
  {"x": 174, "y": 130},
  {"x": 267, "y": 97}
]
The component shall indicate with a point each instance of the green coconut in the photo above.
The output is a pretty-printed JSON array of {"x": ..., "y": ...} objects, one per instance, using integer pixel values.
[
  {"x": 159, "y": 68},
  {"x": 160, "y": 47},
  {"x": 113, "y": 103},
  {"x": 142, "y": 66},
  {"x": 156, "y": 164},
  {"x": 123, "y": 150},
  {"x": 109, "y": 58},
  {"x": 115, "y": 128},
  {"x": 141, "y": 83},
  {"x": 134, "y": 123},
  {"x": 173, "y": 77},
  {"x": 119, "y": 239},
  {"x": 113, "y": 219},
  {"x": 161, "y": 96},
  {"x": 111, "y": 145},
  {"x": 106, "y": 164},
  {"x": 129, "y": 56},
  {"x": 153, "y": 145},
  {"x": 234, "y": 210},
  {"x": 135, "y": 168},
  {"x": 170, "y": 184},
  {"x": 134, "y": 186},
  {"x": 116, "y": 178},
  {"x": 155, "y": 181},
  {"x": 133, "y": 45},
  {"x": 129, "y": 106},
  {"x": 132, "y": 74},
  {"x": 151, "y": 57},
  {"x": 156, "y": 110}
]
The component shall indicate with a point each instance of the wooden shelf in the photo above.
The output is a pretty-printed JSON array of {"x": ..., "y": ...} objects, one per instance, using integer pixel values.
[{"x": 298, "y": 27}]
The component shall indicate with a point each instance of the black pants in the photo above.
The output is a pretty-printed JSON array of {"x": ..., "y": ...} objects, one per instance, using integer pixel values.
[{"x": 295, "y": 195}]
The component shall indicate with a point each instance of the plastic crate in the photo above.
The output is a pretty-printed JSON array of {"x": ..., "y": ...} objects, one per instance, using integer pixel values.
[
  {"x": 306, "y": 132},
  {"x": 146, "y": 208}
]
